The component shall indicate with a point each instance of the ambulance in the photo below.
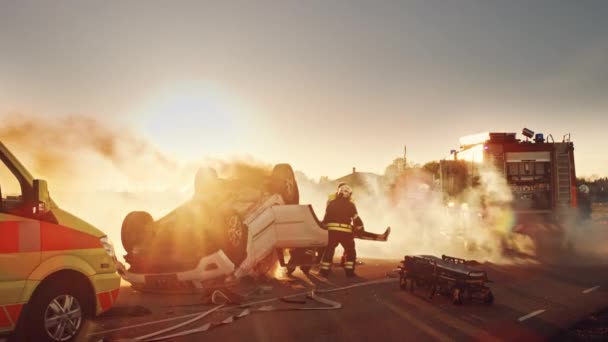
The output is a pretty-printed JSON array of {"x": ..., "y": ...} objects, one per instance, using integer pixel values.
[{"x": 56, "y": 270}]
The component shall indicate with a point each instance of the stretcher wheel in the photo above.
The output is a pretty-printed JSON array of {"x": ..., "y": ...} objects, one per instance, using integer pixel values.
[
  {"x": 489, "y": 298},
  {"x": 457, "y": 296},
  {"x": 403, "y": 283}
]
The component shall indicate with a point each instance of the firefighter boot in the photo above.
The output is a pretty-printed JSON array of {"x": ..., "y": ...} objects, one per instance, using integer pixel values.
[{"x": 349, "y": 268}]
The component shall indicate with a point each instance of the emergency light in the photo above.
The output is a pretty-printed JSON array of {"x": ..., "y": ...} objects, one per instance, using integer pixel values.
[{"x": 527, "y": 133}]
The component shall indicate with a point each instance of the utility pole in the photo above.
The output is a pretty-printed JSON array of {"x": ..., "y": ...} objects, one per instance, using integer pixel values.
[{"x": 404, "y": 157}]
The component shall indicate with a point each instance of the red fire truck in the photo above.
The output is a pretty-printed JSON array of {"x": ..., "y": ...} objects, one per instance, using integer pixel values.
[{"x": 539, "y": 171}]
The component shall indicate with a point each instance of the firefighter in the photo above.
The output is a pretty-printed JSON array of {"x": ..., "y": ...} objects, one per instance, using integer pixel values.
[
  {"x": 330, "y": 198},
  {"x": 341, "y": 218},
  {"x": 584, "y": 202},
  {"x": 359, "y": 233}
]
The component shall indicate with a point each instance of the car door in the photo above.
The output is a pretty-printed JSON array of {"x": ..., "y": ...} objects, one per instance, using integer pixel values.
[{"x": 19, "y": 238}]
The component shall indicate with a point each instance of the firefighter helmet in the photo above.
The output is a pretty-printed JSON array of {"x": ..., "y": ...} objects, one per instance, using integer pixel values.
[{"x": 345, "y": 191}]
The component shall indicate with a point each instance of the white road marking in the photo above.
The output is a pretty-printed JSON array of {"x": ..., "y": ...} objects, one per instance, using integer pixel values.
[
  {"x": 531, "y": 314},
  {"x": 591, "y": 289}
]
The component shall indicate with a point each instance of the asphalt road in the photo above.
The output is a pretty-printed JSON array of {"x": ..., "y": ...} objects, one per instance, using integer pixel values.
[{"x": 532, "y": 302}]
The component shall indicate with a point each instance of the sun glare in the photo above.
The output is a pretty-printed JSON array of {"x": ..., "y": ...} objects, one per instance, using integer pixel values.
[{"x": 193, "y": 119}]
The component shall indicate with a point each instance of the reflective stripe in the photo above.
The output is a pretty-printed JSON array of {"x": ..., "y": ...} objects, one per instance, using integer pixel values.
[
  {"x": 105, "y": 300},
  {"x": 5, "y": 321},
  {"x": 14, "y": 311},
  {"x": 9, "y": 230},
  {"x": 341, "y": 230},
  {"x": 325, "y": 265},
  {"x": 29, "y": 236},
  {"x": 341, "y": 227},
  {"x": 57, "y": 238},
  {"x": 35, "y": 236},
  {"x": 114, "y": 294},
  {"x": 338, "y": 225}
]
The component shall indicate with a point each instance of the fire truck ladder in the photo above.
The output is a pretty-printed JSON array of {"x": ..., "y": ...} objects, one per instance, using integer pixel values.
[{"x": 564, "y": 180}]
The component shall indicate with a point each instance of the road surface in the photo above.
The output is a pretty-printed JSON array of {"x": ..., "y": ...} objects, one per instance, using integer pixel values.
[{"x": 533, "y": 302}]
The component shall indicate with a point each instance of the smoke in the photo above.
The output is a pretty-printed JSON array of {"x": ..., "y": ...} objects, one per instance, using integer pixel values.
[
  {"x": 422, "y": 223},
  {"x": 62, "y": 148},
  {"x": 96, "y": 171},
  {"x": 101, "y": 173}
]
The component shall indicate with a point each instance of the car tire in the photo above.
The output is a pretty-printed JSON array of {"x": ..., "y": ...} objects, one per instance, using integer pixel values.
[
  {"x": 283, "y": 182},
  {"x": 234, "y": 240},
  {"x": 46, "y": 306},
  {"x": 135, "y": 229}
]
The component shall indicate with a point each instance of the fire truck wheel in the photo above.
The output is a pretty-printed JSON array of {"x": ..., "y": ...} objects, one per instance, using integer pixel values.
[
  {"x": 57, "y": 311},
  {"x": 283, "y": 181},
  {"x": 134, "y": 229},
  {"x": 403, "y": 282}
]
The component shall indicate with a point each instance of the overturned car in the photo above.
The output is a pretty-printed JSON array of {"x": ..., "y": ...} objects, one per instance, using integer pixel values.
[{"x": 231, "y": 228}]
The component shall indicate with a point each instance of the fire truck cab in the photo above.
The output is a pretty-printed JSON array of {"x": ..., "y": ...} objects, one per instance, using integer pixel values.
[{"x": 539, "y": 171}]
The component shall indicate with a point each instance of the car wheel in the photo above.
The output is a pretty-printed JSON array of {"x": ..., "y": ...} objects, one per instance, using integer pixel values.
[
  {"x": 56, "y": 312},
  {"x": 235, "y": 238},
  {"x": 135, "y": 229},
  {"x": 283, "y": 182}
]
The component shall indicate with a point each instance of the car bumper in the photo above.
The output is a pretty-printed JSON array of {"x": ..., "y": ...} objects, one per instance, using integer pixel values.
[
  {"x": 107, "y": 286},
  {"x": 213, "y": 267}
]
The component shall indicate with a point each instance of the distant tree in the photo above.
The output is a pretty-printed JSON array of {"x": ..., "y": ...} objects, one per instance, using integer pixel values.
[{"x": 432, "y": 167}]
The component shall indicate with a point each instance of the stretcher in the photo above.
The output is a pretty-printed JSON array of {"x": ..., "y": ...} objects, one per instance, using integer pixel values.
[{"x": 449, "y": 276}]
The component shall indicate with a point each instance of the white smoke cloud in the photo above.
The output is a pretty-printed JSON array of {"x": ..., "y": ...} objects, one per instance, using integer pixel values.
[{"x": 422, "y": 224}]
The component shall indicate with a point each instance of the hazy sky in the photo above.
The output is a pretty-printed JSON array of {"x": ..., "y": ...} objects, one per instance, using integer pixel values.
[{"x": 325, "y": 85}]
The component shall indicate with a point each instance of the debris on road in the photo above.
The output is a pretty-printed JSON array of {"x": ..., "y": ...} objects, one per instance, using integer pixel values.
[
  {"x": 330, "y": 305},
  {"x": 246, "y": 309}
]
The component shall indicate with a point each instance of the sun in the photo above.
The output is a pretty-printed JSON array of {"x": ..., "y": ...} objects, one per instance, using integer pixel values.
[{"x": 193, "y": 120}]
